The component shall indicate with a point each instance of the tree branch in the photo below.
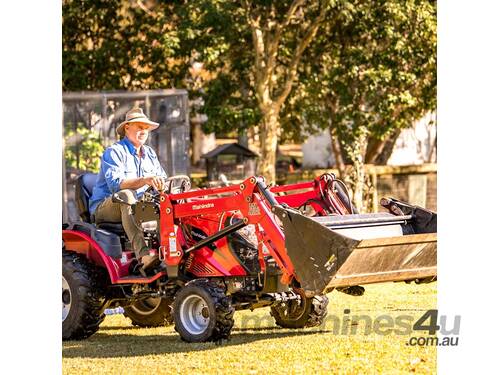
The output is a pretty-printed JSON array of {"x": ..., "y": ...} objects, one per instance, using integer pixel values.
[
  {"x": 291, "y": 70},
  {"x": 275, "y": 40},
  {"x": 144, "y": 8},
  {"x": 332, "y": 105},
  {"x": 259, "y": 47},
  {"x": 291, "y": 12}
]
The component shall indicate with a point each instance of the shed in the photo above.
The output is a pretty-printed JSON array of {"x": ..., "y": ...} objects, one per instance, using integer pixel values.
[{"x": 233, "y": 160}]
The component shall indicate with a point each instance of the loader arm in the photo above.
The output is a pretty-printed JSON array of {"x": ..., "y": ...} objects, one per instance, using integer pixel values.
[
  {"x": 255, "y": 205},
  {"x": 333, "y": 248}
]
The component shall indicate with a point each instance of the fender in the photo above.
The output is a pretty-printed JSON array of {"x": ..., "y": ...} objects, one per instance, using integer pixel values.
[{"x": 81, "y": 243}]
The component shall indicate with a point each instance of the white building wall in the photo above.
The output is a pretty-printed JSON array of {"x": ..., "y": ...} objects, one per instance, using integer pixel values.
[
  {"x": 415, "y": 145},
  {"x": 317, "y": 151}
]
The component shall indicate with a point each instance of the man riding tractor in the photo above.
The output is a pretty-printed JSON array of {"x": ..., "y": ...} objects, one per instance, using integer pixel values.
[
  {"x": 128, "y": 168},
  {"x": 222, "y": 249}
]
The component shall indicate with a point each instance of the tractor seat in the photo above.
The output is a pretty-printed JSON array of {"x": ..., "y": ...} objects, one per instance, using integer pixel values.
[{"x": 83, "y": 190}]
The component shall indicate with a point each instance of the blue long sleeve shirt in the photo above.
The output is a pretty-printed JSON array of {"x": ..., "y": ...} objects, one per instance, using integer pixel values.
[{"x": 121, "y": 162}]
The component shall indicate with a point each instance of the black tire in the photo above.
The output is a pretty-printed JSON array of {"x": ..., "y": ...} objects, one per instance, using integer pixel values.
[
  {"x": 297, "y": 315},
  {"x": 150, "y": 312},
  {"x": 82, "y": 297},
  {"x": 202, "y": 312}
]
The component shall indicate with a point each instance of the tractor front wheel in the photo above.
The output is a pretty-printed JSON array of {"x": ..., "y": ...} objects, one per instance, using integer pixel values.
[
  {"x": 309, "y": 312},
  {"x": 202, "y": 312},
  {"x": 150, "y": 312},
  {"x": 82, "y": 301}
]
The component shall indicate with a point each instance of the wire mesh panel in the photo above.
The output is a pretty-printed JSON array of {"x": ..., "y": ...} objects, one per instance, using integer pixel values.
[
  {"x": 172, "y": 140},
  {"x": 101, "y": 113},
  {"x": 90, "y": 120}
]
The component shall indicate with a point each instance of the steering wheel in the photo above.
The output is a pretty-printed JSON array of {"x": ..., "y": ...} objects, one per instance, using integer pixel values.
[{"x": 185, "y": 184}]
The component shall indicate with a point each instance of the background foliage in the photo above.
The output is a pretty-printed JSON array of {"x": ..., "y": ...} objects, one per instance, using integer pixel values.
[
  {"x": 368, "y": 70},
  {"x": 83, "y": 148}
]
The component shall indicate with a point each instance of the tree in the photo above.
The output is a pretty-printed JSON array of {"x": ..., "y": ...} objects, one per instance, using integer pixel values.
[
  {"x": 371, "y": 75},
  {"x": 117, "y": 44},
  {"x": 84, "y": 148},
  {"x": 109, "y": 45},
  {"x": 255, "y": 49},
  {"x": 276, "y": 64},
  {"x": 363, "y": 69}
]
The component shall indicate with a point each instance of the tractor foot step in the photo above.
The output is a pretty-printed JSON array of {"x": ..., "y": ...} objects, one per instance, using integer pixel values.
[{"x": 140, "y": 279}]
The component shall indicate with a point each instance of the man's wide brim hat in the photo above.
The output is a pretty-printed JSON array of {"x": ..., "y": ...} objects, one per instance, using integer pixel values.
[{"x": 135, "y": 115}]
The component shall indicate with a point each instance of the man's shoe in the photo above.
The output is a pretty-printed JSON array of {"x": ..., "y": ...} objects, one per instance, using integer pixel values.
[{"x": 149, "y": 261}]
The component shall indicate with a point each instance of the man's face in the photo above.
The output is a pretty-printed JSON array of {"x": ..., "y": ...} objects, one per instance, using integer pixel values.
[{"x": 137, "y": 133}]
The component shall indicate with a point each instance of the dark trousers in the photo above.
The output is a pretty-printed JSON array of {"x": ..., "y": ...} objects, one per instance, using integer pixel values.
[{"x": 111, "y": 212}]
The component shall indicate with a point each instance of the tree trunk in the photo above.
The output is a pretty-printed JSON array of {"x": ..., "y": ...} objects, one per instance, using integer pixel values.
[
  {"x": 380, "y": 150},
  {"x": 337, "y": 152},
  {"x": 373, "y": 148},
  {"x": 196, "y": 142},
  {"x": 358, "y": 176},
  {"x": 273, "y": 79},
  {"x": 359, "y": 180},
  {"x": 268, "y": 134},
  {"x": 385, "y": 153},
  {"x": 337, "y": 149}
]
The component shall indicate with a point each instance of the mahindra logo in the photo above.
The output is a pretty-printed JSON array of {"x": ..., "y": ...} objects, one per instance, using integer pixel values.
[{"x": 200, "y": 206}]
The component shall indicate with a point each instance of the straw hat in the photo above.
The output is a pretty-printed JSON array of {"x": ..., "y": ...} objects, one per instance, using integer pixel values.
[{"x": 135, "y": 115}]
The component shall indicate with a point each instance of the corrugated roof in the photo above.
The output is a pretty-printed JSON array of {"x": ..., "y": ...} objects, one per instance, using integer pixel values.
[{"x": 230, "y": 149}]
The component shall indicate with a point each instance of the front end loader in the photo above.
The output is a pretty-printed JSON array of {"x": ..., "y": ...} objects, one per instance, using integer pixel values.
[{"x": 243, "y": 247}]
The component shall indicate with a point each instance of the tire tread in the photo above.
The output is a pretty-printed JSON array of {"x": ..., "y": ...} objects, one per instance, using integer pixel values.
[
  {"x": 89, "y": 313},
  {"x": 224, "y": 311},
  {"x": 316, "y": 311}
]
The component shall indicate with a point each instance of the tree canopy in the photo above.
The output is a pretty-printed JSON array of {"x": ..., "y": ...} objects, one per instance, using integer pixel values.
[
  {"x": 362, "y": 69},
  {"x": 117, "y": 44}
]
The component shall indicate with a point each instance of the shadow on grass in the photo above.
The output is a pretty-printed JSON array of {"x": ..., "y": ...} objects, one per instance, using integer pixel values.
[
  {"x": 119, "y": 328},
  {"x": 133, "y": 328},
  {"x": 103, "y": 345},
  {"x": 244, "y": 329}
]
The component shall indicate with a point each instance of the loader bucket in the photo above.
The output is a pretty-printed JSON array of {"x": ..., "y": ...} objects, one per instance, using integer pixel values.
[{"x": 338, "y": 251}]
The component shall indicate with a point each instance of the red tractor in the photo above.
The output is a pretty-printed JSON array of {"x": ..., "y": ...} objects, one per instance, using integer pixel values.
[{"x": 238, "y": 247}]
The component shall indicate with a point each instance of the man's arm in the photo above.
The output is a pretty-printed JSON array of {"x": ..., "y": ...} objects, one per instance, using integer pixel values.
[
  {"x": 137, "y": 183},
  {"x": 113, "y": 167}
]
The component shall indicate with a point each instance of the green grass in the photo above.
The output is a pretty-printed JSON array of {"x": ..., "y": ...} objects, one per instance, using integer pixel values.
[{"x": 120, "y": 348}]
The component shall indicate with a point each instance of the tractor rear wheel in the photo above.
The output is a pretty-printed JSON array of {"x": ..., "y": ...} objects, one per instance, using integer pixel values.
[
  {"x": 150, "y": 312},
  {"x": 304, "y": 314},
  {"x": 202, "y": 312},
  {"x": 82, "y": 300}
]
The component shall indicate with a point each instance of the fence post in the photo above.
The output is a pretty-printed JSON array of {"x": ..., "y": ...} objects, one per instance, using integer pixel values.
[
  {"x": 64, "y": 193},
  {"x": 375, "y": 191}
]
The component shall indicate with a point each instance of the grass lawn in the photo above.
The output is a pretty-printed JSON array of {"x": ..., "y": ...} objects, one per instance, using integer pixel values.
[{"x": 258, "y": 346}]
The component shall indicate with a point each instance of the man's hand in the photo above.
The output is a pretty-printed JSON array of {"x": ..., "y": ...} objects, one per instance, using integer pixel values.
[
  {"x": 155, "y": 181},
  {"x": 136, "y": 183}
]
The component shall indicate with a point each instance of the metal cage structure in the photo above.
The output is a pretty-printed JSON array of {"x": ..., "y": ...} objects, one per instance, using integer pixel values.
[{"x": 103, "y": 111}]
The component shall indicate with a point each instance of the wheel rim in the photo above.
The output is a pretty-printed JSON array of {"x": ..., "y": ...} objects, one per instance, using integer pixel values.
[
  {"x": 66, "y": 299},
  {"x": 194, "y": 314}
]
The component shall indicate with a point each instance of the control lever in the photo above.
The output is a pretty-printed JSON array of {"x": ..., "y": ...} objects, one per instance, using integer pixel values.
[{"x": 115, "y": 198}]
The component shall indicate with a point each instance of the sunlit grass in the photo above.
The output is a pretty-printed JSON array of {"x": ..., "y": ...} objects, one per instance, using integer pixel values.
[{"x": 258, "y": 346}]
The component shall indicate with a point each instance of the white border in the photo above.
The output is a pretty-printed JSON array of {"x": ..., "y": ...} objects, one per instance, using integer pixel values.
[
  {"x": 468, "y": 199},
  {"x": 31, "y": 187},
  {"x": 468, "y": 183}
]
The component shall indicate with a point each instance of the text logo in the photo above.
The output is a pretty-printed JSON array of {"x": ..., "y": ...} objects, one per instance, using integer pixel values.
[{"x": 201, "y": 206}]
